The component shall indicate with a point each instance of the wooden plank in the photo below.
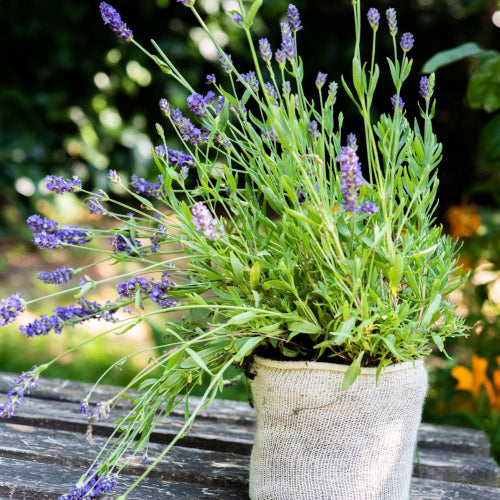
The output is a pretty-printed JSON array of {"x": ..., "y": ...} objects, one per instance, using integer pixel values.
[
  {"x": 456, "y": 439},
  {"x": 426, "y": 489},
  {"x": 28, "y": 480}
]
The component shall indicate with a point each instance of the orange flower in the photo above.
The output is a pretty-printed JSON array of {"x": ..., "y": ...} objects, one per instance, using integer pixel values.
[
  {"x": 463, "y": 220},
  {"x": 472, "y": 381}
]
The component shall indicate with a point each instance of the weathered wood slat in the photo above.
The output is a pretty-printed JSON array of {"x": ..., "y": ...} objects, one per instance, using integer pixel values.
[
  {"x": 211, "y": 462},
  {"x": 40, "y": 481}
]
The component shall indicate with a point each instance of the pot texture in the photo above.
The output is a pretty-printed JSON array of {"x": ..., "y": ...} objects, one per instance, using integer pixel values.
[{"x": 315, "y": 441}]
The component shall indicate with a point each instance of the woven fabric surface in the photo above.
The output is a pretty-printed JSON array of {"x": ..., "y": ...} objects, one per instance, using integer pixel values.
[{"x": 315, "y": 441}]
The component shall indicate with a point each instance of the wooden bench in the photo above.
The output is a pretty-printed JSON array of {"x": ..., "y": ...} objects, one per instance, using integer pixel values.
[{"x": 43, "y": 452}]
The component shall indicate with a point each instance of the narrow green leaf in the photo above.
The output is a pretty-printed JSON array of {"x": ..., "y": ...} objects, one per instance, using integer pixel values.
[
  {"x": 252, "y": 11},
  {"x": 237, "y": 269},
  {"x": 241, "y": 318},
  {"x": 248, "y": 346},
  {"x": 352, "y": 372},
  {"x": 433, "y": 307},
  {"x": 198, "y": 360},
  {"x": 303, "y": 327},
  {"x": 254, "y": 276}
]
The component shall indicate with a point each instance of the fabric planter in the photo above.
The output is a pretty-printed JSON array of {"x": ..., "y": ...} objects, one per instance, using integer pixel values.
[{"x": 315, "y": 441}]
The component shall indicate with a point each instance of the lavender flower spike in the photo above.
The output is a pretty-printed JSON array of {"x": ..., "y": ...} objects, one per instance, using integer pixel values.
[
  {"x": 392, "y": 21},
  {"x": 426, "y": 87},
  {"x": 373, "y": 16},
  {"x": 59, "y": 186},
  {"x": 352, "y": 179},
  {"x": 11, "y": 308},
  {"x": 321, "y": 80},
  {"x": 112, "y": 19},
  {"x": 21, "y": 385},
  {"x": 395, "y": 100},
  {"x": 57, "y": 277},
  {"x": 187, "y": 3},
  {"x": 406, "y": 42},
  {"x": 265, "y": 50},
  {"x": 294, "y": 18},
  {"x": 204, "y": 222}
]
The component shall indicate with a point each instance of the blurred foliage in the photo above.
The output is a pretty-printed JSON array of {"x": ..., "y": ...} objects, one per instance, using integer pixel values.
[{"x": 76, "y": 100}]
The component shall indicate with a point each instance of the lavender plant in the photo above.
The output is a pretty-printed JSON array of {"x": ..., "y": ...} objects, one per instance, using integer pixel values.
[{"x": 299, "y": 240}]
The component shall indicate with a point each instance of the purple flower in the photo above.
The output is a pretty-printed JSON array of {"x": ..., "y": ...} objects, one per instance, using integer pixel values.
[
  {"x": 406, "y": 42},
  {"x": 122, "y": 244},
  {"x": 100, "y": 413},
  {"x": 286, "y": 88},
  {"x": 114, "y": 177},
  {"x": 210, "y": 79},
  {"x": 84, "y": 407},
  {"x": 143, "y": 187},
  {"x": 220, "y": 104},
  {"x": 48, "y": 233},
  {"x": 127, "y": 289},
  {"x": 92, "y": 485},
  {"x": 57, "y": 277},
  {"x": 187, "y": 3},
  {"x": 59, "y": 186},
  {"x": 312, "y": 128},
  {"x": 197, "y": 104},
  {"x": 164, "y": 107},
  {"x": 321, "y": 79},
  {"x": 392, "y": 21},
  {"x": 71, "y": 315},
  {"x": 236, "y": 17},
  {"x": 352, "y": 141},
  {"x": 373, "y": 16},
  {"x": 265, "y": 50},
  {"x": 287, "y": 41},
  {"x": 368, "y": 208},
  {"x": 21, "y": 385},
  {"x": 187, "y": 130},
  {"x": 159, "y": 293},
  {"x": 94, "y": 204},
  {"x": 226, "y": 62},
  {"x": 175, "y": 158},
  {"x": 251, "y": 79},
  {"x": 352, "y": 179},
  {"x": 426, "y": 88},
  {"x": 11, "y": 308},
  {"x": 293, "y": 18},
  {"x": 112, "y": 19},
  {"x": 280, "y": 57},
  {"x": 332, "y": 93},
  {"x": 203, "y": 221},
  {"x": 270, "y": 91},
  {"x": 395, "y": 100}
]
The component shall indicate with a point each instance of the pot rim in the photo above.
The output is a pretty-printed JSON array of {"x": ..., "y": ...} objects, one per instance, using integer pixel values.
[{"x": 334, "y": 367}]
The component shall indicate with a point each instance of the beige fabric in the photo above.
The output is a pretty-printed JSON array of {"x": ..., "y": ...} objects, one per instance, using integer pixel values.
[{"x": 317, "y": 442}]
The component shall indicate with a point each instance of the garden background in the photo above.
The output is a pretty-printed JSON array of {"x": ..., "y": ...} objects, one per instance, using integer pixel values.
[{"x": 75, "y": 100}]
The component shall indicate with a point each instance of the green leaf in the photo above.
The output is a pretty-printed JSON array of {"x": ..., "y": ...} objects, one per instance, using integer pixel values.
[
  {"x": 352, "y": 372},
  {"x": 303, "y": 327},
  {"x": 489, "y": 140},
  {"x": 237, "y": 269},
  {"x": 395, "y": 272},
  {"x": 253, "y": 11},
  {"x": 241, "y": 318},
  {"x": 254, "y": 276},
  {"x": 438, "y": 341},
  {"x": 483, "y": 91},
  {"x": 248, "y": 346},
  {"x": 357, "y": 76},
  {"x": 198, "y": 360},
  {"x": 433, "y": 307},
  {"x": 89, "y": 285},
  {"x": 450, "y": 56}
]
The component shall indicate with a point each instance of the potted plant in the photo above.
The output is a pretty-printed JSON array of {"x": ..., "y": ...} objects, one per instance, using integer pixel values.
[{"x": 285, "y": 258}]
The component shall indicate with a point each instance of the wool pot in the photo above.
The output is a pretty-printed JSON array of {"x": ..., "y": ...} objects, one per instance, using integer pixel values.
[{"x": 315, "y": 441}]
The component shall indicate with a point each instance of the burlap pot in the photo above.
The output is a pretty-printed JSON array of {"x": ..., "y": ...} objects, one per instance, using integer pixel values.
[{"x": 315, "y": 441}]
